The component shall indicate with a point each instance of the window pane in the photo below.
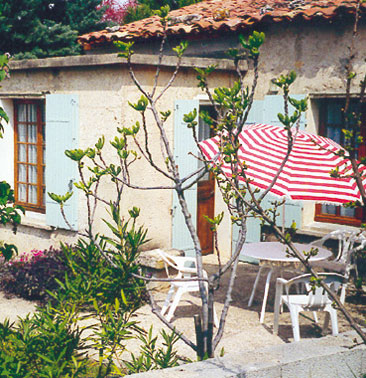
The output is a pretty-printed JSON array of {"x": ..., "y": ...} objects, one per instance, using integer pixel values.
[
  {"x": 32, "y": 194},
  {"x": 43, "y": 118},
  {"x": 347, "y": 212},
  {"x": 32, "y": 172},
  {"x": 22, "y": 192},
  {"x": 32, "y": 133},
  {"x": 329, "y": 209},
  {"x": 334, "y": 133},
  {"x": 44, "y": 196},
  {"x": 32, "y": 154},
  {"x": 32, "y": 109},
  {"x": 22, "y": 115},
  {"x": 22, "y": 173},
  {"x": 334, "y": 113},
  {"x": 22, "y": 154},
  {"x": 22, "y": 133},
  {"x": 203, "y": 130}
]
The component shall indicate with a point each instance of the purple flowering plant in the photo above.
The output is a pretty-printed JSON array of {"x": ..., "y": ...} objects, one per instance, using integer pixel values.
[{"x": 31, "y": 275}]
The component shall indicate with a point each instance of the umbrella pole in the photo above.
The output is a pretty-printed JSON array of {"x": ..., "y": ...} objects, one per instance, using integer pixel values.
[{"x": 283, "y": 216}]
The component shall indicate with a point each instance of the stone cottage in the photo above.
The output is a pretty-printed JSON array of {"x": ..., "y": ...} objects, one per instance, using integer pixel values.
[{"x": 64, "y": 103}]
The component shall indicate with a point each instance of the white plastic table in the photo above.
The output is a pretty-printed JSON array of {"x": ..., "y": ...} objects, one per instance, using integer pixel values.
[{"x": 274, "y": 255}]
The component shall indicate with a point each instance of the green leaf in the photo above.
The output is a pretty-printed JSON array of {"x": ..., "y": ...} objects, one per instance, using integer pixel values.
[
  {"x": 254, "y": 42},
  {"x": 300, "y": 105},
  {"x": 141, "y": 104},
  {"x": 99, "y": 145},
  {"x": 134, "y": 212},
  {"x": 162, "y": 12},
  {"x": 91, "y": 153},
  {"x": 118, "y": 143},
  {"x": 60, "y": 199},
  {"x": 4, "y": 60},
  {"x": 8, "y": 250},
  {"x": 190, "y": 117},
  {"x": 181, "y": 48},
  {"x": 76, "y": 155},
  {"x": 4, "y": 115},
  {"x": 124, "y": 299},
  {"x": 125, "y": 49},
  {"x": 165, "y": 115}
]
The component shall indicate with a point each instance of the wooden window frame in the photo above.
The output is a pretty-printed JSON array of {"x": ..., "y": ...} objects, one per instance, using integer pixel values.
[
  {"x": 357, "y": 220},
  {"x": 39, "y": 206}
]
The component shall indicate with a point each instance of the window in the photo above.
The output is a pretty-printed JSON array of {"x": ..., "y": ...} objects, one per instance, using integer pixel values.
[
  {"x": 330, "y": 125},
  {"x": 29, "y": 116}
]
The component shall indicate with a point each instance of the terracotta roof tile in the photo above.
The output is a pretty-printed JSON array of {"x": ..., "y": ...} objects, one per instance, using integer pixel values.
[{"x": 217, "y": 15}]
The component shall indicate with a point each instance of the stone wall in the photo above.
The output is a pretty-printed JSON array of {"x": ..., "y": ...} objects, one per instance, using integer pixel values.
[{"x": 330, "y": 356}]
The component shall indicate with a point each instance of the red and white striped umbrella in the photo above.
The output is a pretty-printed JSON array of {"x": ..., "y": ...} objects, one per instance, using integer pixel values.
[{"x": 306, "y": 174}]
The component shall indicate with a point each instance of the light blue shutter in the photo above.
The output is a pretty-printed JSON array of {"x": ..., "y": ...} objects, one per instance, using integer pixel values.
[
  {"x": 183, "y": 145},
  {"x": 62, "y": 122},
  {"x": 273, "y": 104},
  {"x": 256, "y": 112}
]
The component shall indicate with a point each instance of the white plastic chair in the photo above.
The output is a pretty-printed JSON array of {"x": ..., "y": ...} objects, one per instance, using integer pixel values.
[
  {"x": 186, "y": 268},
  {"x": 349, "y": 242},
  {"x": 316, "y": 299}
]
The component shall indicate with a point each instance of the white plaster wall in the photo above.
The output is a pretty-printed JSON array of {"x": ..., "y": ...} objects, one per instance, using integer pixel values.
[
  {"x": 316, "y": 53},
  {"x": 7, "y": 145}
]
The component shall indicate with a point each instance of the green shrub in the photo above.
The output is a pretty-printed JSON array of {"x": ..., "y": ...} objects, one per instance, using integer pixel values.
[
  {"x": 36, "y": 275},
  {"x": 94, "y": 293},
  {"x": 31, "y": 275},
  {"x": 9, "y": 212},
  {"x": 41, "y": 346},
  {"x": 151, "y": 356},
  {"x": 91, "y": 277}
]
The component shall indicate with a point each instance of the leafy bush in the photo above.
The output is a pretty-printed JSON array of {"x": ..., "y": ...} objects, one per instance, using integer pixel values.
[
  {"x": 31, "y": 275},
  {"x": 80, "y": 270},
  {"x": 151, "y": 356},
  {"x": 90, "y": 276},
  {"x": 9, "y": 213},
  {"x": 94, "y": 292},
  {"x": 50, "y": 345},
  {"x": 41, "y": 346}
]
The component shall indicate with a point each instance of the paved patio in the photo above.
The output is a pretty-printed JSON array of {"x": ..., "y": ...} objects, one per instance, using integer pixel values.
[{"x": 242, "y": 331}]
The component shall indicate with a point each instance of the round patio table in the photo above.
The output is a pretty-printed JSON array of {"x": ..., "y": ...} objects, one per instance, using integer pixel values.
[{"x": 275, "y": 255}]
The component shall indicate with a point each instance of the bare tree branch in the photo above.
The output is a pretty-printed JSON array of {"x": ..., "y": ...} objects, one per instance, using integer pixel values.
[{"x": 155, "y": 311}]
